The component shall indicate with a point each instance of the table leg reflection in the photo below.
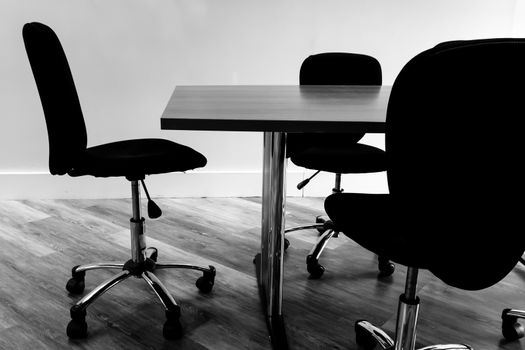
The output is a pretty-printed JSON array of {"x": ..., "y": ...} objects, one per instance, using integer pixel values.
[{"x": 269, "y": 262}]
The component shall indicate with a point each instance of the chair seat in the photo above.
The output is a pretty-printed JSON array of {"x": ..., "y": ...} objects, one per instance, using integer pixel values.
[
  {"x": 352, "y": 158},
  {"x": 369, "y": 219},
  {"x": 136, "y": 158},
  {"x": 458, "y": 254}
]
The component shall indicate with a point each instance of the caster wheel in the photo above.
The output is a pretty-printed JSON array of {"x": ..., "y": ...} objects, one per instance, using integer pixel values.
[
  {"x": 286, "y": 243},
  {"x": 363, "y": 338},
  {"x": 154, "y": 255},
  {"x": 320, "y": 220},
  {"x": 510, "y": 327},
  {"x": 76, "y": 329},
  {"x": 76, "y": 284},
  {"x": 206, "y": 281},
  {"x": 172, "y": 329},
  {"x": 315, "y": 269},
  {"x": 386, "y": 268}
]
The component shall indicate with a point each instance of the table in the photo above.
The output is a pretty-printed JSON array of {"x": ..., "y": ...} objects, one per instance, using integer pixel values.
[{"x": 276, "y": 111}]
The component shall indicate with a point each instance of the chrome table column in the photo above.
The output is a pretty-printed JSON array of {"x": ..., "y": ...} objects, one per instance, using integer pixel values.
[{"x": 269, "y": 262}]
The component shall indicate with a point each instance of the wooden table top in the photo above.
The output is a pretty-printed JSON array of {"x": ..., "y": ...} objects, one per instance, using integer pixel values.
[{"x": 286, "y": 108}]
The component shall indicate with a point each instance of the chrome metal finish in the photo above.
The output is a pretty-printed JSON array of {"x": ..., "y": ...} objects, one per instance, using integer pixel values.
[
  {"x": 515, "y": 313},
  {"x": 138, "y": 238},
  {"x": 135, "y": 199},
  {"x": 83, "y": 303},
  {"x": 448, "y": 347},
  {"x": 307, "y": 227},
  {"x": 102, "y": 265},
  {"x": 406, "y": 325},
  {"x": 378, "y": 334},
  {"x": 160, "y": 290},
  {"x": 181, "y": 266},
  {"x": 321, "y": 243},
  {"x": 411, "y": 283},
  {"x": 270, "y": 274}
]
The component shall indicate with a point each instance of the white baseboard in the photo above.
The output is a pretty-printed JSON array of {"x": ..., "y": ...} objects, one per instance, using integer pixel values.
[
  {"x": 40, "y": 185},
  {"x": 32, "y": 185}
]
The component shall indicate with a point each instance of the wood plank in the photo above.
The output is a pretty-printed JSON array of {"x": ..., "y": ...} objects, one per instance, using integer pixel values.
[{"x": 54, "y": 235}]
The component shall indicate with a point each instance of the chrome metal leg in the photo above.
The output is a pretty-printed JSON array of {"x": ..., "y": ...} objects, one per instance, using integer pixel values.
[
  {"x": 181, "y": 266},
  {"x": 515, "y": 313},
  {"x": 448, "y": 347},
  {"x": 307, "y": 227},
  {"x": 161, "y": 291},
  {"x": 89, "y": 298},
  {"x": 95, "y": 266},
  {"x": 269, "y": 262},
  {"x": 321, "y": 243},
  {"x": 365, "y": 329}
]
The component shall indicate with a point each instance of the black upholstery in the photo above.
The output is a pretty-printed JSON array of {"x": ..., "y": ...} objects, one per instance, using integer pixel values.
[
  {"x": 64, "y": 120},
  {"x": 349, "y": 158},
  {"x": 132, "y": 159},
  {"x": 452, "y": 142},
  {"x": 332, "y": 152},
  {"x": 337, "y": 153},
  {"x": 136, "y": 158},
  {"x": 453, "y": 145},
  {"x": 68, "y": 152}
]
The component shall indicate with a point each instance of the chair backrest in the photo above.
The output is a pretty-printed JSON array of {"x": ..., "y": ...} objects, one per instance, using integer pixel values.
[
  {"x": 335, "y": 68},
  {"x": 66, "y": 129},
  {"x": 454, "y": 144},
  {"x": 340, "y": 68}
]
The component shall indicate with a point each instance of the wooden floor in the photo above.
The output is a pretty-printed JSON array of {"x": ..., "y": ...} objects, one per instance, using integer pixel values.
[{"x": 42, "y": 239}]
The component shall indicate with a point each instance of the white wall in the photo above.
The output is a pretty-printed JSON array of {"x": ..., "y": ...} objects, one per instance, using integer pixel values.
[{"x": 128, "y": 55}]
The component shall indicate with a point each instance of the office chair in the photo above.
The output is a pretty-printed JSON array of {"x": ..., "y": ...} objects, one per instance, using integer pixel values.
[
  {"x": 452, "y": 144},
  {"x": 335, "y": 153},
  {"x": 131, "y": 159}
]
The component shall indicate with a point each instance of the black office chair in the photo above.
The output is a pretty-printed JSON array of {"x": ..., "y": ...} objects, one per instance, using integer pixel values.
[
  {"x": 335, "y": 153},
  {"x": 453, "y": 144},
  {"x": 132, "y": 159}
]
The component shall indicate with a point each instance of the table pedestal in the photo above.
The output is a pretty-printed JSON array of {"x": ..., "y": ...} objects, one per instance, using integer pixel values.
[{"x": 269, "y": 262}]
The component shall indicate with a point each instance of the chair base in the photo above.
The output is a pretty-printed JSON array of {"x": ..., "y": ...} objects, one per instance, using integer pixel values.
[
  {"x": 142, "y": 264},
  {"x": 368, "y": 336},
  {"x": 77, "y": 327},
  {"x": 327, "y": 231}
]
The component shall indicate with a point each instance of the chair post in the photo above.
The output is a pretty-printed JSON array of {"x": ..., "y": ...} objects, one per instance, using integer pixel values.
[
  {"x": 407, "y": 313},
  {"x": 138, "y": 239},
  {"x": 337, "y": 187}
]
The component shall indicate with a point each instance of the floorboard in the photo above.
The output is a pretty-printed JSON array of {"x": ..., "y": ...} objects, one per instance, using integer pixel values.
[{"x": 43, "y": 239}]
